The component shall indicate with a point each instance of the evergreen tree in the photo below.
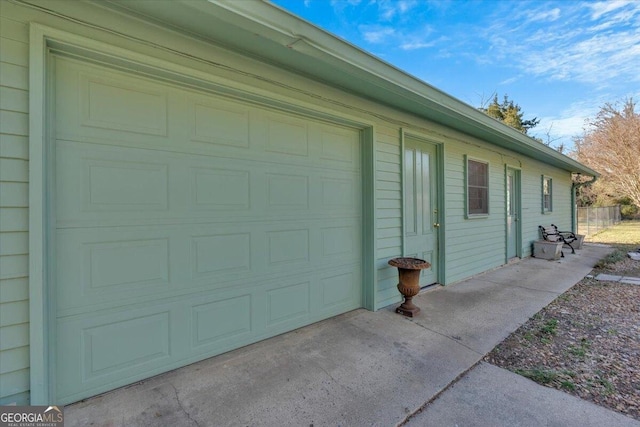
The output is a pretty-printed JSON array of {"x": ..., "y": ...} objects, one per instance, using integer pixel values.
[{"x": 510, "y": 114}]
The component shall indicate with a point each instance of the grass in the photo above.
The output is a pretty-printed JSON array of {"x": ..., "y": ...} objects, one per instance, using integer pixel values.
[
  {"x": 550, "y": 327},
  {"x": 624, "y": 233},
  {"x": 541, "y": 376},
  {"x": 623, "y": 237},
  {"x": 580, "y": 350},
  {"x": 612, "y": 258}
]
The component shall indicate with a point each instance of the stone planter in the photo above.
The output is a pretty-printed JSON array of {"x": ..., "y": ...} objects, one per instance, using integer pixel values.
[
  {"x": 409, "y": 282},
  {"x": 578, "y": 243},
  {"x": 547, "y": 250}
]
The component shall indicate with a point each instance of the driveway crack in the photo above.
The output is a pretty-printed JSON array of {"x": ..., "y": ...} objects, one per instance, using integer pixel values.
[
  {"x": 175, "y": 392},
  {"x": 451, "y": 338}
]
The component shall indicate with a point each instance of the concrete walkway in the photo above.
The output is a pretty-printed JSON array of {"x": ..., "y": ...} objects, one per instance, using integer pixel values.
[
  {"x": 620, "y": 279},
  {"x": 372, "y": 369}
]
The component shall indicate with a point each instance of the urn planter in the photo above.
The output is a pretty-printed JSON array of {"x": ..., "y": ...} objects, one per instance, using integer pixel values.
[{"x": 409, "y": 270}]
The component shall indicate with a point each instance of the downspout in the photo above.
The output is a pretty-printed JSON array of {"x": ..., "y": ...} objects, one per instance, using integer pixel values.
[{"x": 574, "y": 211}]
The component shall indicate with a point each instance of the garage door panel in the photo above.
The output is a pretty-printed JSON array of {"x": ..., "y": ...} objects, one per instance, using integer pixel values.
[
  {"x": 339, "y": 290},
  {"x": 220, "y": 189},
  {"x": 220, "y": 253},
  {"x": 106, "y": 101},
  {"x": 339, "y": 148},
  {"x": 191, "y": 228},
  {"x": 104, "y": 267},
  {"x": 287, "y": 136},
  {"x": 129, "y": 110},
  {"x": 220, "y": 320},
  {"x": 219, "y": 122},
  {"x": 338, "y": 242},
  {"x": 121, "y": 185},
  {"x": 288, "y": 304},
  {"x": 96, "y": 350},
  {"x": 98, "y": 182},
  {"x": 122, "y": 104},
  {"x": 339, "y": 194},
  {"x": 287, "y": 191},
  {"x": 107, "y": 266}
]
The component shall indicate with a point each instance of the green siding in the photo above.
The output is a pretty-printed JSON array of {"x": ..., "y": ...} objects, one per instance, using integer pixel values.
[
  {"x": 389, "y": 212},
  {"x": 463, "y": 236},
  {"x": 14, "y": 174}
]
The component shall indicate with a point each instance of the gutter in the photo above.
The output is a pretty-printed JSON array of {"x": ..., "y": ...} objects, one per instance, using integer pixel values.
[{"x": 574, "y": 211}]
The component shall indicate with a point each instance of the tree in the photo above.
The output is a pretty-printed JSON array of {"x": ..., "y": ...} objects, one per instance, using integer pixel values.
[
  {"x": 611, "y": 145},
  {"x": 510, "y": 114}
]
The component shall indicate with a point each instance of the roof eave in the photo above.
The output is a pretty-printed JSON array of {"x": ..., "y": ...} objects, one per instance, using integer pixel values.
[{"x": 366, "y": 75}]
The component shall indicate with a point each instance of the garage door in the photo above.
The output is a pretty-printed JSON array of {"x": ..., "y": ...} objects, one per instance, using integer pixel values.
[{"x": 186, "y": 225}]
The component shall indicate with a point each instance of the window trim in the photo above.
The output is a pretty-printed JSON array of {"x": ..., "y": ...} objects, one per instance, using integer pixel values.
[
  {"x": 545, "y": 178},
  {"x": 467, "y": 214}
]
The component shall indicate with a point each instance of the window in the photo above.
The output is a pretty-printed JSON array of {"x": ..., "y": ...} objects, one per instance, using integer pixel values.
[
  {"x": 547, "y": 191},
  {"x": 477, "y": 173}
]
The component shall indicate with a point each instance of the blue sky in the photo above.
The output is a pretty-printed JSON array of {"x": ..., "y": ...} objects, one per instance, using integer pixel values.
[{"x": 559, "y": 60}]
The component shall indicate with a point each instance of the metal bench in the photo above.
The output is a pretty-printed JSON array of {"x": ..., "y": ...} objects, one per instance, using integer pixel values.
[{"x": 552, "y": 234}]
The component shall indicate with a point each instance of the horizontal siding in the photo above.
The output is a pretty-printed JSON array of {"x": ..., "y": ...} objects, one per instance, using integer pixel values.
[
  {"x": 14, "y": 313},
  {"x": 14, "y": 194},
  {"x": 14, "y": 238},
  {"x": 16, "y": 399},
  {"x": 14, "y": 336},
  {"x": 14, "y": 219},
  {"x": 15, "y": 383},
  {"x": 14, "y": 52},
  {"x": 14, "y": 266},
  {"x": 14, "y": 123},
  {"x": 14, "y": 360},
  {"x": 388, "y": 212},
  {"x": 14, "y": 290},
  {"x": 14, "y": 99},
  {"x": 13, "y": 243},
  {"x": 14, "y": 147},
  {"x": 532, "y": 201},
  {"x": 463, "y": 259},
  {"x": 14, "y": 170},
  {"x": 14, "y": 30},
  {"x": 15, "y": 76}
]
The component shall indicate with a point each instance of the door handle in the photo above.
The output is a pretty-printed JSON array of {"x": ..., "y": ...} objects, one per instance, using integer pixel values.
[{"x": 436, "y": 225}]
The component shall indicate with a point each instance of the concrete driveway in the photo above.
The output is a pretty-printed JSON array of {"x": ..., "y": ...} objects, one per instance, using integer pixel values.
[{"x": 364, "y": 368}]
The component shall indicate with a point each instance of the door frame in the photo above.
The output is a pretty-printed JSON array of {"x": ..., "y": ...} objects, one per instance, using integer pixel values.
[
  {"x": 517, "y": 190},
  {"x": 42, "y": 303},
  {"x": 440, "y": 198}
]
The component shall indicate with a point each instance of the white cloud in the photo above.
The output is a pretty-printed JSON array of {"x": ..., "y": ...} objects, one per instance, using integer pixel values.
[
  {"x": 569, "y": 123},
  {"x": 509, "y": 80},
  {"x": 389, "y": 9},
  {"x": 548, "y": 15},
  {"x": 604, "y": 7},
  {"x": 415, "y": 45},
  {"x": 376, "y": 34},
  {"x": 386, "y": 34},
  {"x": 599, "y": 51}
]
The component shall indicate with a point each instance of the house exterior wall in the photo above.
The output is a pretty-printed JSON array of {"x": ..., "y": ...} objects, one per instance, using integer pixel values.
[
  {"x": 466, "y": 239},
  {"x": 14, "y": 148}
]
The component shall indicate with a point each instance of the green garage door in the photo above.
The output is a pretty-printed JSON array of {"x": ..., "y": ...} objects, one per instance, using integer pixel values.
[{"x": 185, "y": 225}]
